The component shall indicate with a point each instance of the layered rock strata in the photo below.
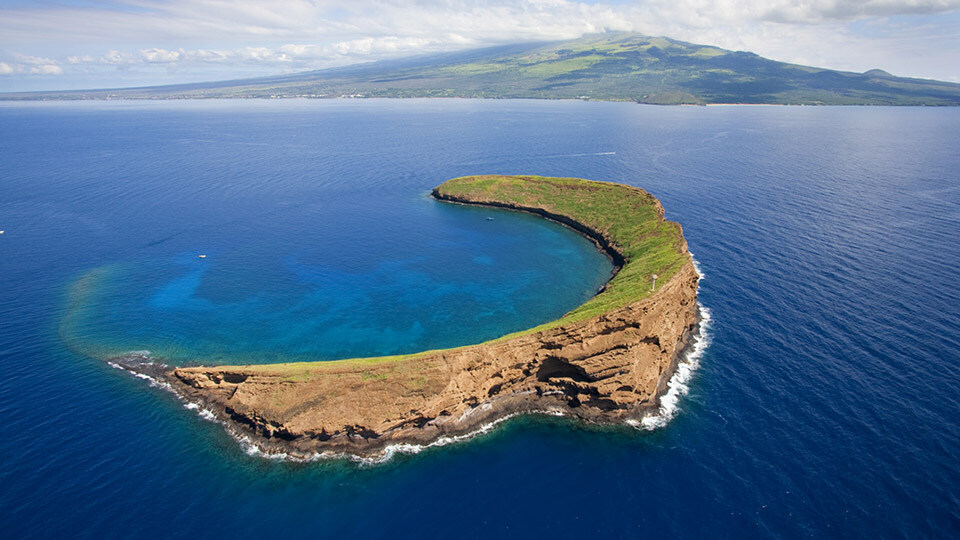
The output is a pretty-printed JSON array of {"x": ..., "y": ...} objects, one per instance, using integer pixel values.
[{"x": 608, "y": 368}]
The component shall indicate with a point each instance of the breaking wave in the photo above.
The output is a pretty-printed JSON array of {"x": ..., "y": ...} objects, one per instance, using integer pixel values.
[
  {"x": 389, "y": 452},
  {"x": 678, "y": 385}
]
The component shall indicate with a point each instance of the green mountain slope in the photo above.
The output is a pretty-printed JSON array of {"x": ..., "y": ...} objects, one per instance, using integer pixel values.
[{"x": 611, "y": 66}]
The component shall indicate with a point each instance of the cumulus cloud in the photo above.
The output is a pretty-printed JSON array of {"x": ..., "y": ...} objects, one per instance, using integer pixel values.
[
  {"x": 82, "y": 59},
  {"x": 47, "y": 69},
  {"x": 160, "y": 56},
  {"x": 31, "y": 65},
  {"x": 291, "y": 53},
  {"x": 34, "y": 60},
  {"x": 117, "y": 58}
]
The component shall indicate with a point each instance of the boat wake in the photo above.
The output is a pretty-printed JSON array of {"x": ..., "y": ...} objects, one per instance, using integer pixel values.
[{"x": 580, "y": 155}]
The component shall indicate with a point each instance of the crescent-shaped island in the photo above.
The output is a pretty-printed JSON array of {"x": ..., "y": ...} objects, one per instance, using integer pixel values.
[{"x": 607, "y": 361}]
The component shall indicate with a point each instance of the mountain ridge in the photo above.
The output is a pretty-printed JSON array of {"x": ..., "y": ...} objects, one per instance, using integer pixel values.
[{"x": 616, "y": 66}]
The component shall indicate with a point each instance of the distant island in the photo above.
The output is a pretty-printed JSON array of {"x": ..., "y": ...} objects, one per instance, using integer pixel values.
[
  {"x": 607, "y": 361},
  {"x": 614, "y": 66}
]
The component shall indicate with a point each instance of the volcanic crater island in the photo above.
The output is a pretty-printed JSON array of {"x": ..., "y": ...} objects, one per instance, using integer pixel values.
[{"x": 606, "y": 362}]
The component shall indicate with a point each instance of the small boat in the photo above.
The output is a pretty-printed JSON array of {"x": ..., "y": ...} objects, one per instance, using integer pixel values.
[
  {"x": 201, "y": 256},
  {"x": 489, "y": 219}
]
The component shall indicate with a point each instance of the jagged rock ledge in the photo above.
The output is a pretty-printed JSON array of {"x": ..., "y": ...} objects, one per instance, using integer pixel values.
[{"x": 608, "y": 361}]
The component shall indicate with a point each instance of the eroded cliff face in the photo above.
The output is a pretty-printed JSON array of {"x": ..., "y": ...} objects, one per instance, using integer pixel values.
[{"x": 610, "y": 368}]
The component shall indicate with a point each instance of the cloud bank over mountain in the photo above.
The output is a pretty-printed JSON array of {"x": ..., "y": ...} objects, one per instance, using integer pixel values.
[{"x": 71, "y": 45}]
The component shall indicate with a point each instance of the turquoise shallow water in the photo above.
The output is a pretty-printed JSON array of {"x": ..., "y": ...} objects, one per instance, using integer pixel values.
[
  {"x": 282, "y": 242},
  {"x": 825, "y": 405},
  {"x": 265, "y": 292}
]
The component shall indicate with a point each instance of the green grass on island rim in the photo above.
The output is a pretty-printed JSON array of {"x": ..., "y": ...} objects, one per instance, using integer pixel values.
[{"x": 626, "y": 221}]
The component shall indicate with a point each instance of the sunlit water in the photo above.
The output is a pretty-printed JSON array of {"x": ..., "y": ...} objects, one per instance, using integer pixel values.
[{"x": 826, "y": 403}]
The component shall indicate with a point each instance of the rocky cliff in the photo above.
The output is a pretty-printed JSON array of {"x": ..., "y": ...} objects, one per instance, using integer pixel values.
[{"x": 606, "y": 368}]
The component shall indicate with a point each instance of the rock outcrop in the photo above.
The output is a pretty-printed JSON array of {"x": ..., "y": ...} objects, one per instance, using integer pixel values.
[{"x": 611, "y": 367}]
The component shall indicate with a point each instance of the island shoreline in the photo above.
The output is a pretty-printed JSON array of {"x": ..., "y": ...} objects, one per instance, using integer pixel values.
[
  {"x": 163, "y": 377},
  {"x": 567, "y": 392}
]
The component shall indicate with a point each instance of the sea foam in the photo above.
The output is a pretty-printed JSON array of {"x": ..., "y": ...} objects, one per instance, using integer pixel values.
[{"x": 678, "y": 385}]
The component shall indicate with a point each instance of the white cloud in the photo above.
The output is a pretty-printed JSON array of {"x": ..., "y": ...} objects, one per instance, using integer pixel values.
[
  {"x": 46, "y": 69},
  {"x": 302, "y": 53},
  {"x": 825, "y": 10},
  {"x": 34, "y": 60},
  {"x": 337, "y": 20},
  {"x": 309, "y": 34},
  {"x": 82, "y": 59},
  {"x": 117, "y": 58},
  {"x": 158, "y": 56},
  {"x": 32, "y": 65}
]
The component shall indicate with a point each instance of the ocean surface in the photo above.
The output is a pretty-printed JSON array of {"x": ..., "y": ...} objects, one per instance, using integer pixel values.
[{"x": 825, "y": 405}]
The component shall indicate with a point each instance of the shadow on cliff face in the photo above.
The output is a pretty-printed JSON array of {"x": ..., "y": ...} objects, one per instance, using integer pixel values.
[
  {"x": 554, "y": 367},
  {"x": 563, "y": 374}
]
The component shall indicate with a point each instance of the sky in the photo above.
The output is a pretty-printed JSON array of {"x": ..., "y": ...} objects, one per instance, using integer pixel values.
[{"x": 76, "y": 44}]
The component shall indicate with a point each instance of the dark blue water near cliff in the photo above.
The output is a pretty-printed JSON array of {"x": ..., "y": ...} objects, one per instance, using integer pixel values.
[{"x": 826, "y": 405}]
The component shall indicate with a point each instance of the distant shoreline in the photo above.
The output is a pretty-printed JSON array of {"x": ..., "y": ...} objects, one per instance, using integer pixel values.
[
  {"x": 13, "y": 98},
  {"x": 610, "y": 66}
]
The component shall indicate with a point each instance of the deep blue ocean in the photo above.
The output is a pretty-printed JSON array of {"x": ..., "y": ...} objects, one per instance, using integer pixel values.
[{"x": 826, "y": 404}]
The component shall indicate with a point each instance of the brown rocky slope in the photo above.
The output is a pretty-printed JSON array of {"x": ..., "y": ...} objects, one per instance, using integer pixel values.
[{"x": 605, "y": 368}]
